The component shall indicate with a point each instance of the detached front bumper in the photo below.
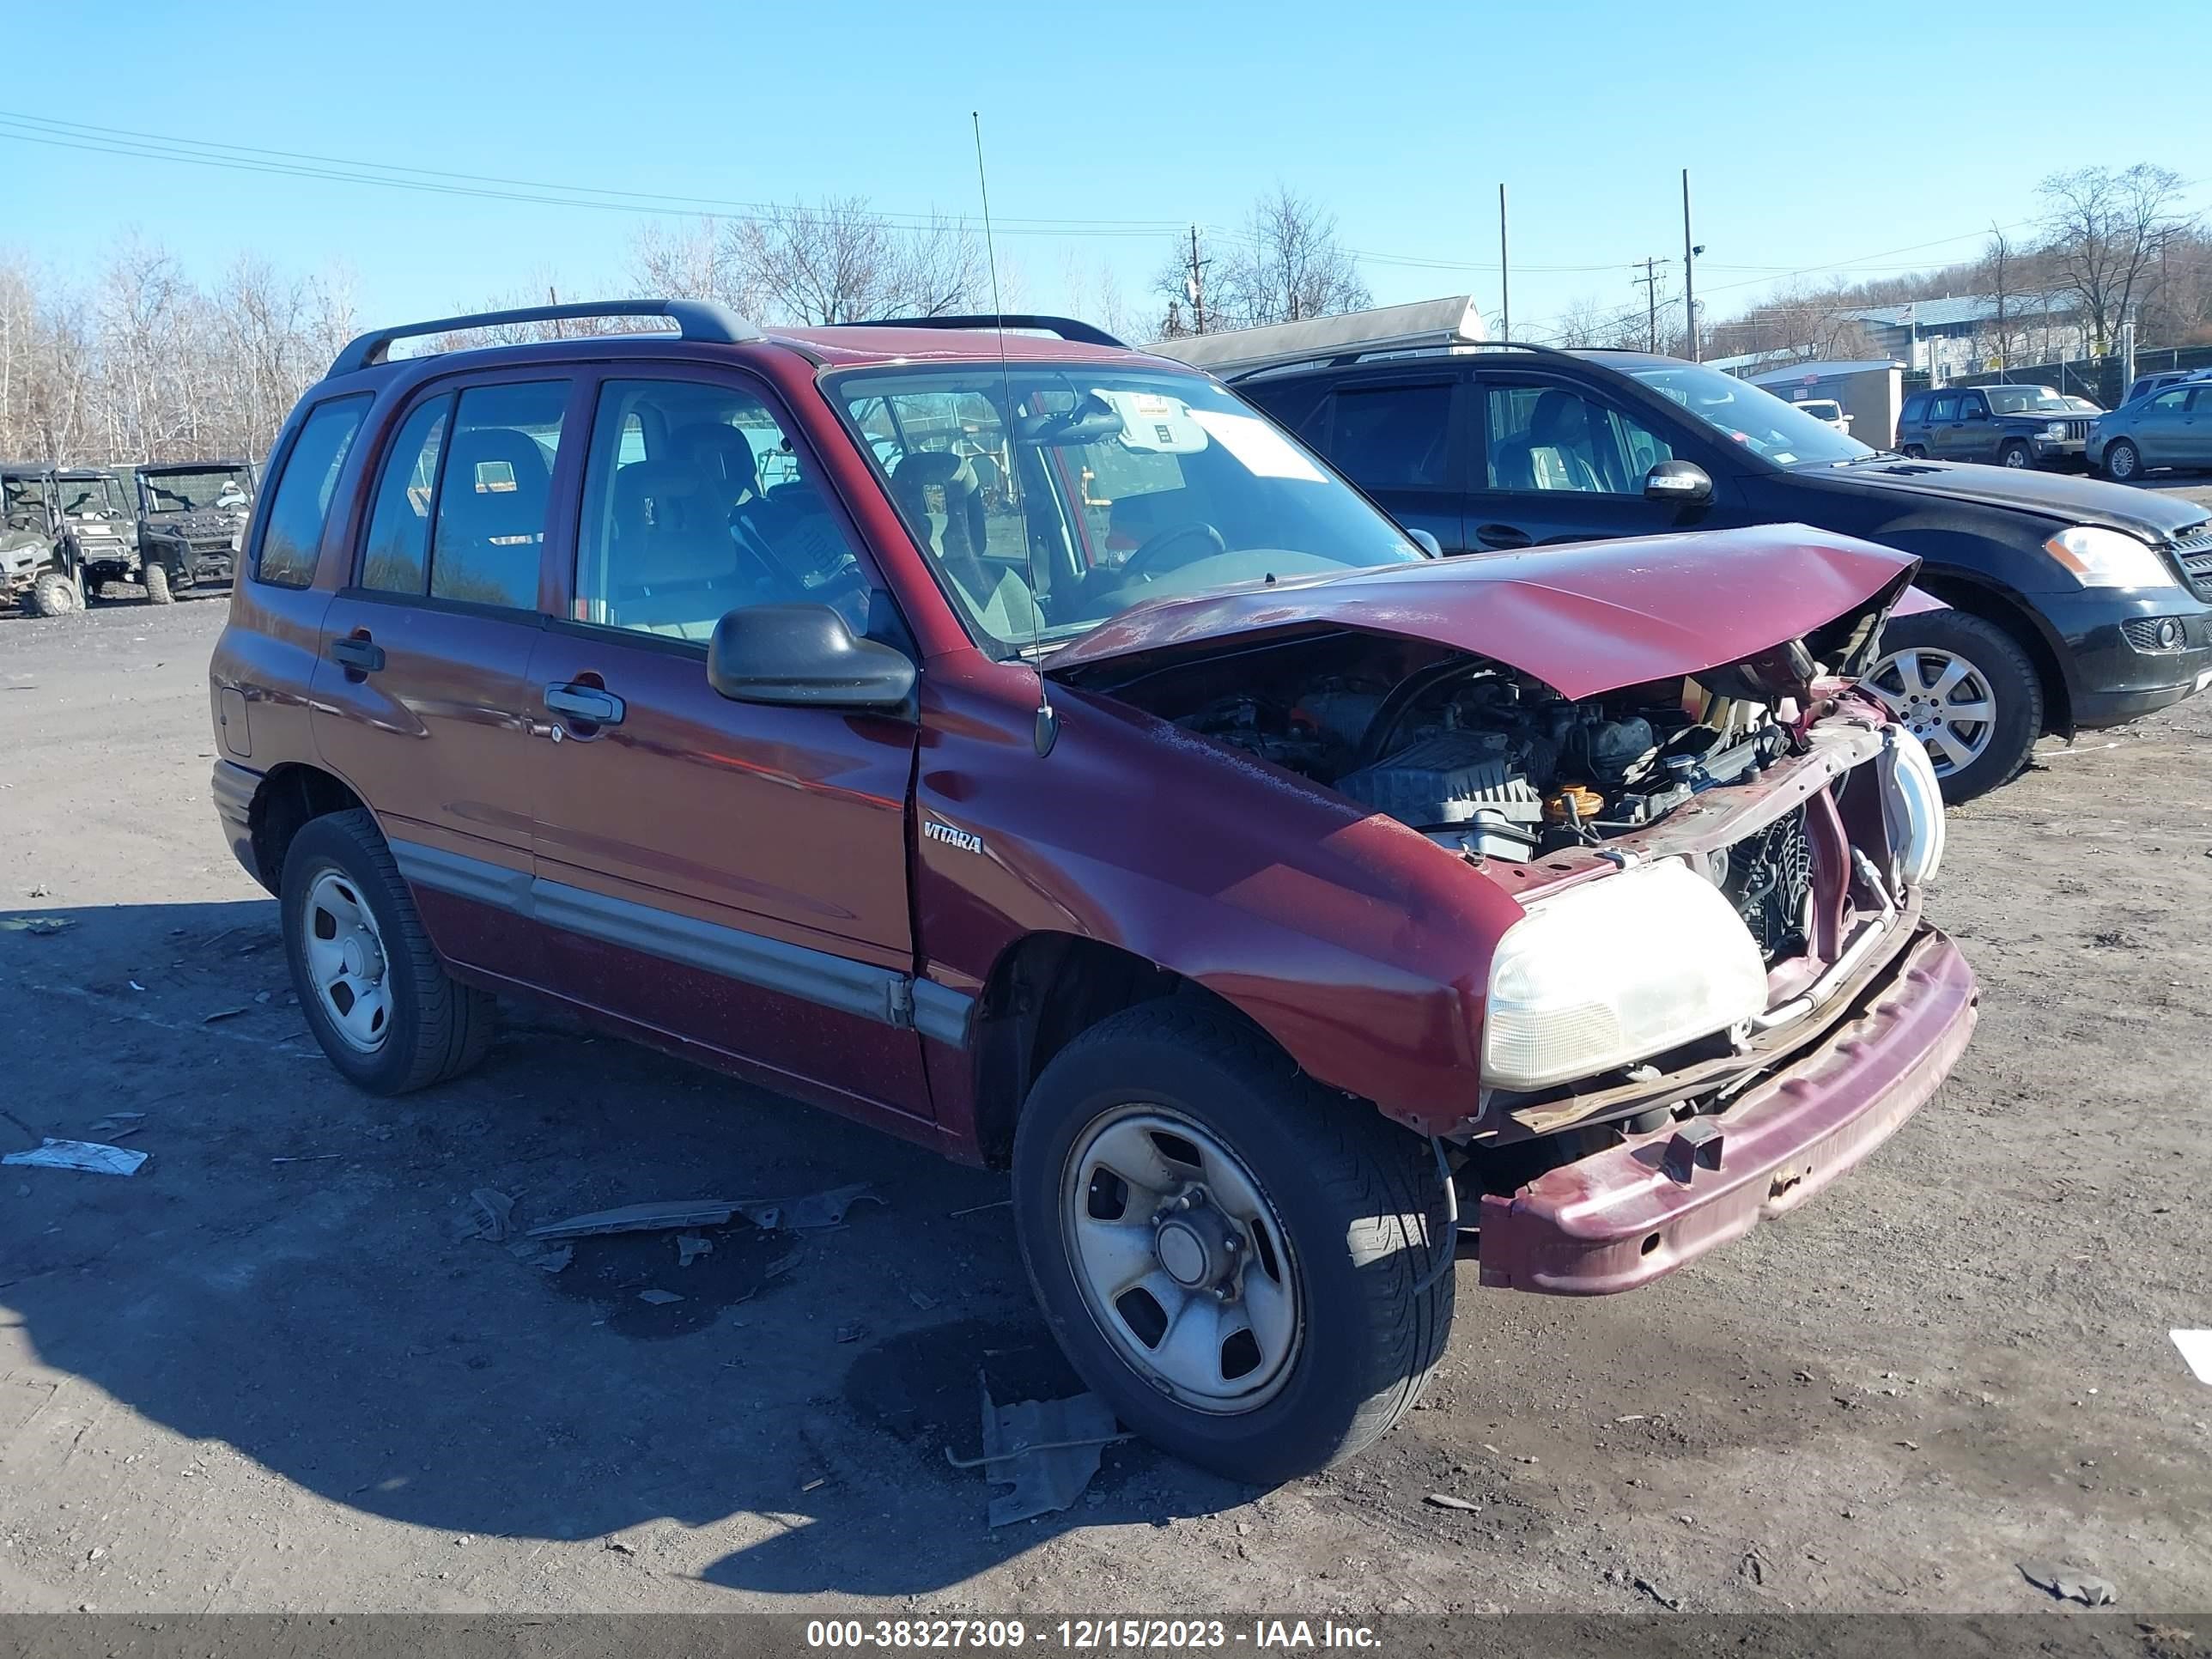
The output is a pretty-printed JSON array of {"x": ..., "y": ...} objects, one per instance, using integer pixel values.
[{"x": 1622, "y": 1218}]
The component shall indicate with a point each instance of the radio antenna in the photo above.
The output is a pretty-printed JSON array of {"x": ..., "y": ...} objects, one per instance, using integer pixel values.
[{"x": 1048, "y": 722}]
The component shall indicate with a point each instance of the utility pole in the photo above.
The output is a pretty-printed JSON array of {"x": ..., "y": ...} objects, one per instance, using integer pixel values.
[
  {"x": 1196, "y": 285},
  {"x": 1504, "y": 273},
  {"x": 1650, "y": 281},
  {"x": 1689, "y": 285}
]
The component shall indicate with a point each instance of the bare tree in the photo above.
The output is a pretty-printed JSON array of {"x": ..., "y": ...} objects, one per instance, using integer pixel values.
[
  {"x": 1285, "y": 265},
  {"x": 693, "y": 261},
  {"x": 1997, "y": 265},
  {"x": 840, "y": 262},
  {"x": 2106, "y": 232}
]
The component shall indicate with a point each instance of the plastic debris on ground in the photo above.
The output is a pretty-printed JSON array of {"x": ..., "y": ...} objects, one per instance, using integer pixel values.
[
  {"x": 2196, "y": 1352},
  {"x": 815, "y": 1210},
  {"x": 1047, "y": 1450},
  {"x": 658, "y": 1298},
  {"x": 2069, "y": 1583},
  {"x": 116, "y": 1125},
  {"x": 37, "y": 927},
  {"x": 90, "y": 1156},
  {"x": 690, "y": 1247},
  {"x": 494, "y": 1216}
]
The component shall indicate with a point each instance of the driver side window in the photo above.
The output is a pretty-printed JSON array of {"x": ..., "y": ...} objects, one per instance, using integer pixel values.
[
  {"x": 695, "y": 505},
  {"x": 1552, "y": 438}
]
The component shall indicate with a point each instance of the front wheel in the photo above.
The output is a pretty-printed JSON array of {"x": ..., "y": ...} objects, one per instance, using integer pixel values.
[
  {"x": 2014, "y": 455},
  {"x": 2123, "y": 460},
  {"x": 369, "y": 981},
  {"x": 1913, "y": 452},
  {"x": 156, "y": 579},
  {"x": 53, "y": 595},
  {"x": 1242, "y": 1261},
  {"x": 1964, "y": 688}
]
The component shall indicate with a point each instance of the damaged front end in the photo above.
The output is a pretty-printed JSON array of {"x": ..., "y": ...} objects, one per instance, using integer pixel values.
[{"x": 1721, "y": 992}]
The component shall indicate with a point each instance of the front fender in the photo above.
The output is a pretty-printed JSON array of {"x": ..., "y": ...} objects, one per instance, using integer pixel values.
[{"x": 1358, "y": 946}]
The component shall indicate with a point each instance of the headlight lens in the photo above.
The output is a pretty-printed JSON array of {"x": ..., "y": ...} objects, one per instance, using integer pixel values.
[
  {"x": 2108, "y": 558},
  {"x": 1914, "y": 808},
  {"x": 1615, "y": 972},
  {"x": 2056, "y": 429}
]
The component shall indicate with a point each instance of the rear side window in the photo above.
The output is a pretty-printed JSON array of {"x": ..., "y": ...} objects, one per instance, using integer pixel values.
[
  {"x": 1916, "y": 408},
  {"x": 493, "y": 488},
  {"x": 299, "y": 504},
  {"x": 1944, "y": 409},
  {"x": 396, "y": 557},
  {"x": 1394, "y": 436}
]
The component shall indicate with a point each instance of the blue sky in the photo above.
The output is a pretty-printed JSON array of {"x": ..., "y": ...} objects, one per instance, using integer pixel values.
[{"x": 1798, "y": 122}]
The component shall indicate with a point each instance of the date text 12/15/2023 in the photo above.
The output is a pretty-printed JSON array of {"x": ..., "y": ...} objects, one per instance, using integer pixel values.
[{"x": 1254, "y": 1635}]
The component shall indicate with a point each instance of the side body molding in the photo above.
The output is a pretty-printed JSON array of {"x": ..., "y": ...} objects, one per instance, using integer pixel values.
[{"x": 900, "y": 1000}]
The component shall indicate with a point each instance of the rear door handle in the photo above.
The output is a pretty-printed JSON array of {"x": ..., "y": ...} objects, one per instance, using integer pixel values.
[
  {"x": 358, "y": 655},
  {"x": 587, "y": 703},
  {"x": 1502, "y": 535}
]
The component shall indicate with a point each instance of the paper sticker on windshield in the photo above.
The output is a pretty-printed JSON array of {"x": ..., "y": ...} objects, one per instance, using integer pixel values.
[
  {"x": 1159, "y": 425},
  {"x": 1265, "y": 451}
]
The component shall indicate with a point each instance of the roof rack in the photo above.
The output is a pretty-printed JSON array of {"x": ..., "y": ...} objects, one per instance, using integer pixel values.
[
  {"x": 1452, "y": 321},
  {"x": 1360, "y": 353},
  {"x": 1067, "y": 328},
  {"x": 695, "y": 319}
]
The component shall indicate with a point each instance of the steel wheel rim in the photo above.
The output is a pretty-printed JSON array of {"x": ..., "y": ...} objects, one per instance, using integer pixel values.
[
  {"x": 346, "y": 963},
  {"x": 1181, "y": 1259},
  {"x": 1941, "y": 699}
]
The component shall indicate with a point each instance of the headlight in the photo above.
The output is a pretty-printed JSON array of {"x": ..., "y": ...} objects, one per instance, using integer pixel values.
[
  {"x": 2108, "y": 558},
  {"x": 2056, "y": 429},
  {"x": 1912, "y": 809},
  {"x": 1614, "y": 971}
]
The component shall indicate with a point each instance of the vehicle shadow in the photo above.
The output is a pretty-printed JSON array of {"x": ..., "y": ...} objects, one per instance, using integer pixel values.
[{"x": 298, "y": 1272}]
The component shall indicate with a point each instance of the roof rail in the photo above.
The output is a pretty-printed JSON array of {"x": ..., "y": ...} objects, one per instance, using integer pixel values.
[
  {"x": 1068, "y": 328},
  {"x": 696, "y": 320},
  {"x": 1455, "y": 321},
  {"x": 1358, "y": 354}
]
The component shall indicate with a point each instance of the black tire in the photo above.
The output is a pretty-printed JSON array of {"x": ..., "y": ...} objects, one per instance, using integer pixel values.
[
  {"x": 2123, "y": 460},
  {"x": 2016, "y": 687},
  {"x": 1360, "y": 1205},
  {"x": 1913, "y": 452},
  {"x": 156, "y": 579},
  {"x": 2015, "y": 454},
  {"x": 52, "y": 595},
  {"x": 440, "y": 1028}
]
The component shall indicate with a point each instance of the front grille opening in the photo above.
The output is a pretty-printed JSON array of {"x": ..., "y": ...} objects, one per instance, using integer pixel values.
[{"x": 1769, "y": 880}]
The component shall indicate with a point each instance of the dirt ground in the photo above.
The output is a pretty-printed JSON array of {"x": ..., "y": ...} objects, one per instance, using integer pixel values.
[{"x": 271, "y": 1371}]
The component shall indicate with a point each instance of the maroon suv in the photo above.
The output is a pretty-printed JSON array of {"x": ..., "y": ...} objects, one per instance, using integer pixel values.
[{"x": 1017, "y": 742}]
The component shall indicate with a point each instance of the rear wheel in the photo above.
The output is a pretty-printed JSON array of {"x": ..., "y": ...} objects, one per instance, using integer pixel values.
[
  {"x": 369, "y": 981},
  {"x": 2123, "y": 460},
  {"x": 1967, "y": 689},
  {"x": 1913, "y": 452},
  {"x": 53, "y": 595},
  {"x": 2015, "y": 454},
  {"x": 156, "y": 579},
  {"x": 1233, "y": 1255}
]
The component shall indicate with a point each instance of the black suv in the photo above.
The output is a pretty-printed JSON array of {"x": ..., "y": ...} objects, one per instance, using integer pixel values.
[
  {"x": 2072, "y": 604},
  {"x": 2015, "y": 426}
]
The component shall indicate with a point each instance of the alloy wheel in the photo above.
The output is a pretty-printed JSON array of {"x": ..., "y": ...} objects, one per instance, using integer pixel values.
[
  {"x": 1941, "y": 699},
  {"x": 347, "y": 964},
  {"x": 1181, "y": 1259}
]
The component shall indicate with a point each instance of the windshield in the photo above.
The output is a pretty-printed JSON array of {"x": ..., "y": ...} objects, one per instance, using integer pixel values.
[
  {"x": 1757, "y": 419},
  {"x": 81, "y": 496},
  {"x": 2024, "y": 400},
  {"x": 193, "y": 492},
  {"x": 1113, "y": 486}
]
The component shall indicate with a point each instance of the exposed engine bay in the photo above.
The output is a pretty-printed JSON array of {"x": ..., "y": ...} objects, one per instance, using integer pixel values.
[{"x": 1493, "y": 764}]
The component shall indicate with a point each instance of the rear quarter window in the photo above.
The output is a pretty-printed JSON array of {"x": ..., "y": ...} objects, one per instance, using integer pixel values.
[
  {"x": 300, "y": 503},
  {"x": 1916, "y": 408}
]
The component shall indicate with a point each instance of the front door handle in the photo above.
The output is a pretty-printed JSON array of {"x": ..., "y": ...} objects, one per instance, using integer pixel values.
[
  {"x": 587, "y": 703},
  {"x": 1499, "y": 535},
  {"x": 356, "y": 654}
]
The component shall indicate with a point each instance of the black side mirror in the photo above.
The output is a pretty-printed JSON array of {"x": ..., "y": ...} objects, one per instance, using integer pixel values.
[
  {"x": 804, "y": 655},
  {"x": 1428, "y": 543},
  {"x": 1683, "y": 482}
]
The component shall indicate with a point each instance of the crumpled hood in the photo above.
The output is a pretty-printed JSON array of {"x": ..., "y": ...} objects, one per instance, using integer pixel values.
[{"x": 1583, "y": 618}]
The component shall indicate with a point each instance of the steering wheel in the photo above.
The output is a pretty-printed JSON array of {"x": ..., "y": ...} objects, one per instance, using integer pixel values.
[{"x": 1138, "y": 566}]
